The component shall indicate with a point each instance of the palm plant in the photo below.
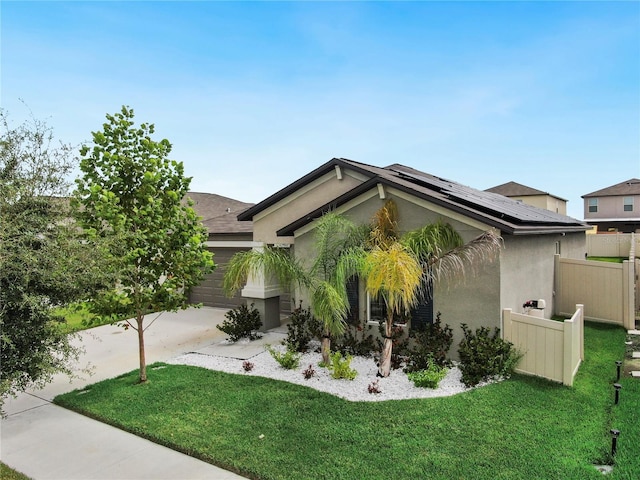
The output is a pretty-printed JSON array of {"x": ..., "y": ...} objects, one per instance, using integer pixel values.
[
  {"x": 338, "y": 243},
  {"x": 397, "y": 266}
]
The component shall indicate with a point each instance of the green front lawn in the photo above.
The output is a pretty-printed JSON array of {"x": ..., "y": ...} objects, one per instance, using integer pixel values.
[{"x": 522, "y": 428}]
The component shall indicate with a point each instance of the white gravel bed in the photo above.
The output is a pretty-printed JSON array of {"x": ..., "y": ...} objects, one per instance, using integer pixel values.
[{"x": 394, "y": 387}]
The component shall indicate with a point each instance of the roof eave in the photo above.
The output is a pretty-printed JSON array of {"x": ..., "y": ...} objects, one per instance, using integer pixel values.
[{"x": 504, "y": 226}]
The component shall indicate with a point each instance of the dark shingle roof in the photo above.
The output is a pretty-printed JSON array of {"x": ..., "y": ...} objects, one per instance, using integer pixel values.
[
  {"x": 220, "y": 213},
  {"x": 628, "y": 187},
  {"x": 498, "y": 211}
]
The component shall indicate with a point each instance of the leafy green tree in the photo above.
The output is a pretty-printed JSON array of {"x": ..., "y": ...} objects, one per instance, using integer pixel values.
[
  {"x": 44, "y": 260},
  {"x": 130, "y": 190},
  {"x": 338, "y": 243},
  {"x": 397, "y": 266}
]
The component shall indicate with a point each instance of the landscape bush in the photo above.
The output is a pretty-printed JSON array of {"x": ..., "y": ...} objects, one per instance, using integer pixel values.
[
  {"x": 429, "y": 377},
  {"x": 301, "y": 329},
  {"x": 287, "y": 360},
  {"x": 485, "y": 356},
  {"x": 340, "y": 367},
  {"x": 241, "y": 322},
  {"x": 429, "y": 345},
  {"x": 356, "y": 340}
]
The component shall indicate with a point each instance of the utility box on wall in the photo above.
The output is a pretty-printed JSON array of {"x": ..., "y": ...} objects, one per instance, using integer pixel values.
[{"x": 535, "y": 308}]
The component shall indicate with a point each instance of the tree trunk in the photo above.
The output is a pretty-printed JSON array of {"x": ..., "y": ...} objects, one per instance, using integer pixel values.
[
  {"x": 326, "y": 348},
  {"x": 143, "y": 361},
  {"x": 385, "y": 356}
]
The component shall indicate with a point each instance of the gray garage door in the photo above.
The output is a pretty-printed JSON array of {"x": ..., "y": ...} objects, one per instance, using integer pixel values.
[{"x": 210, "y": 293}]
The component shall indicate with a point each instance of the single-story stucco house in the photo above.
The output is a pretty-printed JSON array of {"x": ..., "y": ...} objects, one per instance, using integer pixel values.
[{"x": 523, "y": 270}]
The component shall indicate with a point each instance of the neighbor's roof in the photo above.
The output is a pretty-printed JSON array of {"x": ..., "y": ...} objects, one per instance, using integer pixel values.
[
  {"x": 220, "y": 214},
  {"x": 515, "y": 189},
  {"x": 498, "y": 211},
  {"x": 629, "y": 187}
]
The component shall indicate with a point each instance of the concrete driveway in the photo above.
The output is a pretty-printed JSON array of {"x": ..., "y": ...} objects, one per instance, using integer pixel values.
[{"x": 45, "y": 441}]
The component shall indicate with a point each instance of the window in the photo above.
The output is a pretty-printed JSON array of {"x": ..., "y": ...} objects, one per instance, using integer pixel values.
[
  {"x": 593, "y": 205},
  {"x": 377, "y": 311},
  {"x": 353, "y": 295},
  {"x": 628, "y": 204},
  {"x": 421, "y": 315}
]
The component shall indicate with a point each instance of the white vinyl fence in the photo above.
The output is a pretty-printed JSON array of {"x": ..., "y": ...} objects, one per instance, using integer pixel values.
[
  {"x": 612, "y": 244},
  {"x": 608, "y": 287},
  {"x": 550, "y": 349}
]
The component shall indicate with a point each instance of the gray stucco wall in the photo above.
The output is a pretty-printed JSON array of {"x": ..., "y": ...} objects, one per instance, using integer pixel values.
[
  {"x": 527, "y": 268},
  {"x": 474, "y": 299}
]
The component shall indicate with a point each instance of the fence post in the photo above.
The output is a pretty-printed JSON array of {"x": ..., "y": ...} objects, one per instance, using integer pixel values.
[
  {"x": 506, "y": 324},
  {"x": 556, "y": 285},
  {"x": 568, "y": 354},
  {"x": 628, "y": 289},
  {"x": 580, "y": 319}
]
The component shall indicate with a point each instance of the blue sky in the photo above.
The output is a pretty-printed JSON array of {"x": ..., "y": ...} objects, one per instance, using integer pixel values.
[{"x": 253, "y": 95}]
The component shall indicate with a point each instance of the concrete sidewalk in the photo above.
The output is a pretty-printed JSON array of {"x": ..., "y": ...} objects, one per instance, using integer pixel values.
[{"x": 47, "y": 442}]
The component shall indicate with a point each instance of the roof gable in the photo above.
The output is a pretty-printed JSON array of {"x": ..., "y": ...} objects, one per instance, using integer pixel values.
[
  {"x": 515, "y": 189},
  {"x": 628, "y": 187},
  {"x": 301, "y": 182},
  {"x": 220, "y": 213}
]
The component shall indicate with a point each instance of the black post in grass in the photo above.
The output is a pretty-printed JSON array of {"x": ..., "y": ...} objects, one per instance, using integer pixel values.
[
  {"x": 618, "y": 365},
  {"x": 614, "y": 441},
  {"x": 617, "y": 386}
]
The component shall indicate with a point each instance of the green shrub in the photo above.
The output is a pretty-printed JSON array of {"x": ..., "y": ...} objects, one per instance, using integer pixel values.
[
  {"x": 484, "y": 356},
  {"x": 302, "y": 328},
  {"x": 429, "y": 377},
  {"x": 288, "y": 360},
  {"x": 241, "y": 322},
  {"x": 430, "y": 345},
  {"x": 340, "y": 367},
  {"x": 356, "y": 340}
]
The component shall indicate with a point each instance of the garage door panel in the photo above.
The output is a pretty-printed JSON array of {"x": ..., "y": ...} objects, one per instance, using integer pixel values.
[{"x": 210, "y": 292}]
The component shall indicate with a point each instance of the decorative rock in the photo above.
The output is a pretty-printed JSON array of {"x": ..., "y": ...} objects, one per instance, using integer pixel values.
[
  {"x": 604, "y": 469},
  {"x": 635, "y": 374}
]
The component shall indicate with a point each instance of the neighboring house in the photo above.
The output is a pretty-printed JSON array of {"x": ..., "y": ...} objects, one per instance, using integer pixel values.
[
  {"x": 531, "y": 196},
  {"x": 615, "y": 208},
  {"x": 523, "y": 271},
  {"x": 226, "y": 236}
]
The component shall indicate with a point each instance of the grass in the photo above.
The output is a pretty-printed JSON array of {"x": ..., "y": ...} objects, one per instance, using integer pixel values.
[
  {"x": 77, "y": 317},
  {"x": 608, "y": 259},
  {"x": 521, "y": 428},
  {"x": 626, "y": 418},
  {"x": 8, "y": 473}
]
